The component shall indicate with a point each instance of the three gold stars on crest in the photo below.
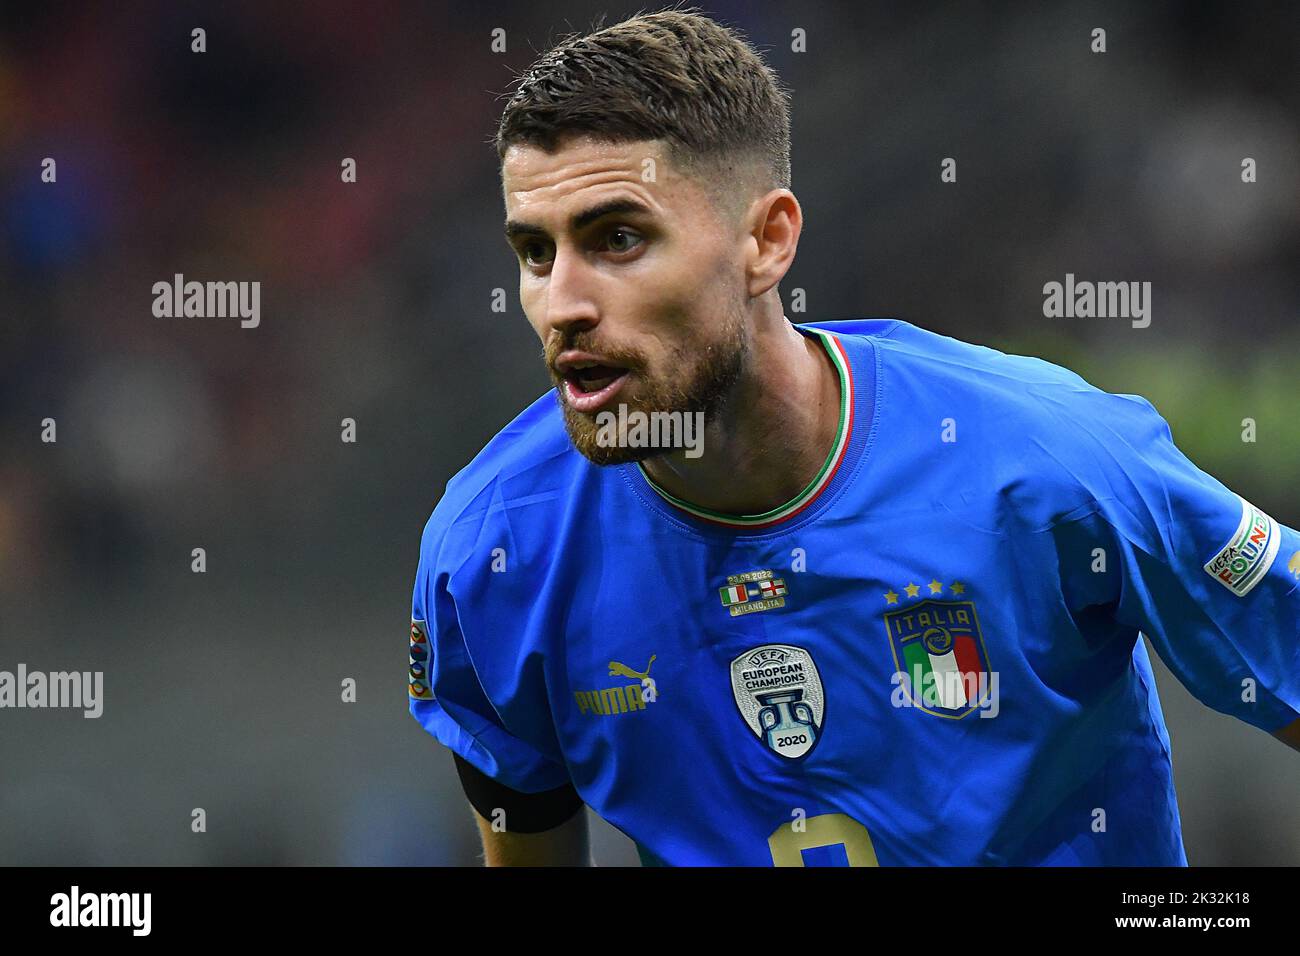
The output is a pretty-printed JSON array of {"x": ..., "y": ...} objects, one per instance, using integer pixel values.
[{"x": 935, "y": 586}]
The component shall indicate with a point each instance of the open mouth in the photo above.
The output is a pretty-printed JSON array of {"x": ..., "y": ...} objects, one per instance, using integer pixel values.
[
  {"x": 589, "y": 383},
  {"x": 595, "y": 378},
  {"x": 589, "y": 388}
]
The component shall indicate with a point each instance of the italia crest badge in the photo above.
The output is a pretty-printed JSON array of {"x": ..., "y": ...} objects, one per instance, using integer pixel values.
[
  {"x": 939, "y": 651},
  {"x": 779, "y": 694}
]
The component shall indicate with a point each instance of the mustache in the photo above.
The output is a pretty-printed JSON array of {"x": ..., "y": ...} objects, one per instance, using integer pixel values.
[{"x": 556, "y": 345}]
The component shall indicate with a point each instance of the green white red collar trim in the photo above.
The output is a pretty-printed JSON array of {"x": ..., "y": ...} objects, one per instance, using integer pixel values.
[{"x": 819, "y": 482}]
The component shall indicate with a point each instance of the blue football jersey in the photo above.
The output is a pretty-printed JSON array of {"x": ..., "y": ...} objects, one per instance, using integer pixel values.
[{"x": 929, "y": 657}]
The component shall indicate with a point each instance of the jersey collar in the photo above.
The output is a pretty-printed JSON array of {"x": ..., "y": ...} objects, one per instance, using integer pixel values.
[{"x": 820, "y": 482}]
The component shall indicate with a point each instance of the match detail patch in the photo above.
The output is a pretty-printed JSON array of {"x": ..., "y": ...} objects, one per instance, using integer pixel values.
[{"x": 1244, "y": 560}]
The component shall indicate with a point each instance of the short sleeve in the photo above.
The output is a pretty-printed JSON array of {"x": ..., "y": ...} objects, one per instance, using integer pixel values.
[
  {"x": 1209, "y": 577},
  {"x": 447, "y": 699}
]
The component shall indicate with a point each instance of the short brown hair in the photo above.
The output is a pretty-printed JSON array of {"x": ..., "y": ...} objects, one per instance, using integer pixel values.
[{"x": 674, "y": 75}]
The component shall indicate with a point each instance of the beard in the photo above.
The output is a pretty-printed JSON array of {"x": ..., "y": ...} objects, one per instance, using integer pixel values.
[{"x": 697, "y": 377}]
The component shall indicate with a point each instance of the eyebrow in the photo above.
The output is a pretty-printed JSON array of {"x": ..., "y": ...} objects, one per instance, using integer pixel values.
[{"x": 581, "y": 219}]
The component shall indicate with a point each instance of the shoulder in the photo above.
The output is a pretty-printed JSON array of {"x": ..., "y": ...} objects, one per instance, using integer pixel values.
[
  {"x": 924, "y": 364},
  {"x": 1047, "y": 441},
  {"x": 527, "y": 469}
]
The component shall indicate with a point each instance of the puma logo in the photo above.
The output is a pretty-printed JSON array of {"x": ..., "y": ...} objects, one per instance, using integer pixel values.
[
  {"x": 623, "y": 698},
  {"x": 622, "y": 670}
]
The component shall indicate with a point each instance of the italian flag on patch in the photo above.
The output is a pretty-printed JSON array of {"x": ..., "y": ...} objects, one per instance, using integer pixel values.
[{"x": 734, "y": 594}]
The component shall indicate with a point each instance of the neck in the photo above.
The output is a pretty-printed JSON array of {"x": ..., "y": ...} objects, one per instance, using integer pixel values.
[{"x": 772, "y": 435}]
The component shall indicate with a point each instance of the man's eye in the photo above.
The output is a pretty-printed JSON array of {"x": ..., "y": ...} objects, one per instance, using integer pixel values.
[
  {"x": 527, "y": 252},
  {"x": 631, "y": 240}
]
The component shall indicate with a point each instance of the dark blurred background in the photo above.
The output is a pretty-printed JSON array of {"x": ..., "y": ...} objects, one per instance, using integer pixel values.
[{"x": 222, "y": 689}]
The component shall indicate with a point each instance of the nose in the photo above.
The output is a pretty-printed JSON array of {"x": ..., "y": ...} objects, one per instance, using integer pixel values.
[{"x": 570, "y": 305}]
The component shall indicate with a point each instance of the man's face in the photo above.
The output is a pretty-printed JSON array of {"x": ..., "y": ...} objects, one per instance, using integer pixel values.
[{"x": 635, "y": 288}]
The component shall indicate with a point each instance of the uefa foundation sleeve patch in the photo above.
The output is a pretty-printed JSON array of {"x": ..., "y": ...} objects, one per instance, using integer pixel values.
[
  {"x": 1245, "y": 560},
  {"x": 418, "y": 676}
]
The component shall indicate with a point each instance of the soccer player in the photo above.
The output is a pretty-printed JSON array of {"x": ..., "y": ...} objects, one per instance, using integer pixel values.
[{"x": 882, "y": 607}]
